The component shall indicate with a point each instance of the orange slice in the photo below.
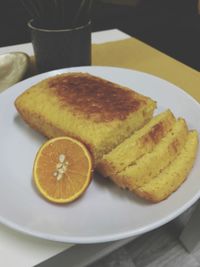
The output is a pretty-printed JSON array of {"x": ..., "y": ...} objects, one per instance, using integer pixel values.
[{"x": 62, "y": 169}]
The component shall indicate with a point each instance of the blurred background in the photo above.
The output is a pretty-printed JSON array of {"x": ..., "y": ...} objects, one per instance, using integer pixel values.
[{"x": 172, "y": 26}]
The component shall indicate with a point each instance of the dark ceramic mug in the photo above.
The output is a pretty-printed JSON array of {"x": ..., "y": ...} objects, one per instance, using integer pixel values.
[{"x": 56, "y": 49}]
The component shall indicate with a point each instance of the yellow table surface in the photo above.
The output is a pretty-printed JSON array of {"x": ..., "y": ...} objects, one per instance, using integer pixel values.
[{"x": 134, "y": 54}]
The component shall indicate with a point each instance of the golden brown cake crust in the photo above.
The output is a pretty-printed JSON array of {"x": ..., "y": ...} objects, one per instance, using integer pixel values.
[
  {"x": 95, "y": 98},
  {"x": 54, "y": 108},
  {"x": 155, "y": 134}
]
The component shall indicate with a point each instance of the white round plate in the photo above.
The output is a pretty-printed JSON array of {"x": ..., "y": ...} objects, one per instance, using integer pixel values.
[{"x": 104, "y": 212}]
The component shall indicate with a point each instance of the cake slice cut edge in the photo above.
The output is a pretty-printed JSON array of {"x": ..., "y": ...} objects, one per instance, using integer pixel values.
[
  {"x": 152, "y": 163},
  {"x": 142, "y": 141},
  {"x": 171, "y": 178}
]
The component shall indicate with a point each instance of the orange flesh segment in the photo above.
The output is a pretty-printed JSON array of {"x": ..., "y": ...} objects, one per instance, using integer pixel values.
[{"x": 76, "y": 176}]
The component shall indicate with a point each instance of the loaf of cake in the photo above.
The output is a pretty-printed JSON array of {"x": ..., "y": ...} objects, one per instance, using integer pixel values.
[{"x": 97, "y": 112}]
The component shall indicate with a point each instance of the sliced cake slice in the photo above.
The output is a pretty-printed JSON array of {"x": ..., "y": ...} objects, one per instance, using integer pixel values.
[
  {"x": 172, "y": 176},
  {"x": 151, "y": 164},
  {"x": 97, "y": 112},
  {"x": 141, "y": 142}
]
